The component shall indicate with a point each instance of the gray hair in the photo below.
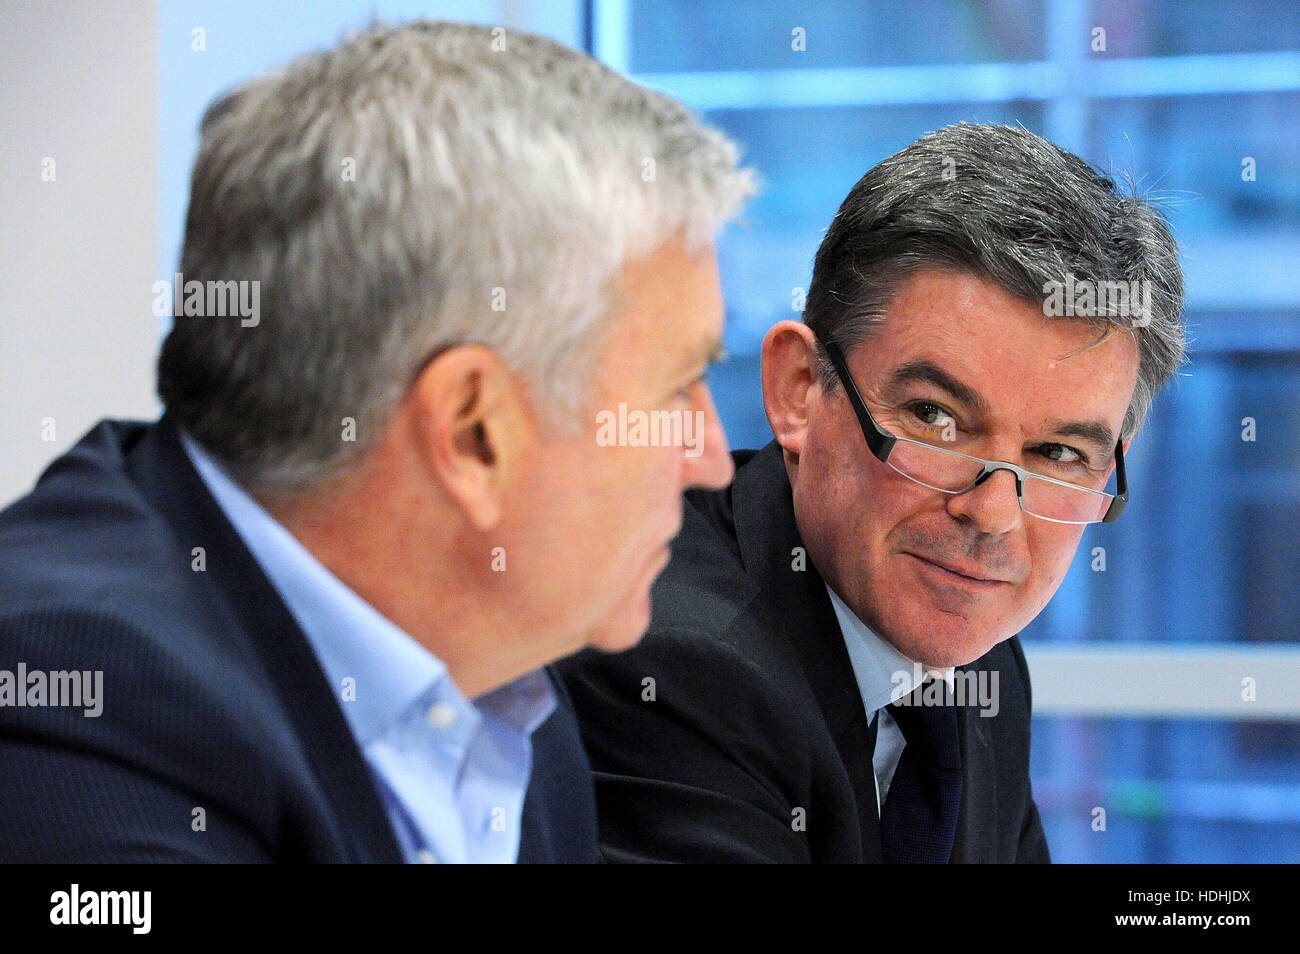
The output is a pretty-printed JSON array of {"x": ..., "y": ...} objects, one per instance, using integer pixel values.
[
  {"x": 1011, "y": 207},
  {"x": 414, "y": 188}
]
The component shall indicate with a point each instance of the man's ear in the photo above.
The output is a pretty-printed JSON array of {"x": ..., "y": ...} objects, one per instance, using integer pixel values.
[
  {"x": 471, "y": 430},
  {"x": 789, "y": 375}
]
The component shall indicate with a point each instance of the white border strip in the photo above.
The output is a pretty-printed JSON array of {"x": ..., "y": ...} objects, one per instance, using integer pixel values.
[{"x": 1156, "y": 680}]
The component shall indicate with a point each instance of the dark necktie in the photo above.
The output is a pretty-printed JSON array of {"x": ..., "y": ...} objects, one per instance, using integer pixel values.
[{"x": 919, "y": 818}]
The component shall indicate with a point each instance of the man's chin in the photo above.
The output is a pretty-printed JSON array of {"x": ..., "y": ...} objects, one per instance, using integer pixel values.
[
  {"x": 619, "y": 639},
  {"x": 946, "y": 644},
  {"x": 627, "y": 624},
  {"x": 625, "y": 628}
]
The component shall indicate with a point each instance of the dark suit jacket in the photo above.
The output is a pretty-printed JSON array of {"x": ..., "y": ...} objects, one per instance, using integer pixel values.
[
  {"x": 754, "y": 714},
  {"x": 212, "y": 696}
]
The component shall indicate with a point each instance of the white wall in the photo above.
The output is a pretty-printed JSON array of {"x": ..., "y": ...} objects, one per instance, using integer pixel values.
[{"x": 77, "y": 254}]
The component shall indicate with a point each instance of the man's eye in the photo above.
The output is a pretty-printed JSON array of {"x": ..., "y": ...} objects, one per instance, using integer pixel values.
[
  {"x": 1062, "y": 454},
  {"x": 930, "y": 414}
]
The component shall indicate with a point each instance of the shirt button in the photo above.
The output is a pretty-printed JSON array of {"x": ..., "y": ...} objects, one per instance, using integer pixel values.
[
  {"x": 441, "y": 715},
  {"x": 426, "y": 857}
]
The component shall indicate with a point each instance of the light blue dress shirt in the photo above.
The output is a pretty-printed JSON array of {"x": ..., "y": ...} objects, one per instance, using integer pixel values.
[
  {"x": 451, "y": 773},
  {"x": 884, "y": 675}
]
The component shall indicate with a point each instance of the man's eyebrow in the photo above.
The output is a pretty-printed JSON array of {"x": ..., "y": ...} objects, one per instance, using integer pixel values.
[{"x": 927, "y": 372}]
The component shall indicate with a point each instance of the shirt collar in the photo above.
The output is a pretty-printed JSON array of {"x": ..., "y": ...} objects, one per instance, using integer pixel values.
[
  {"x": 884, "y": 675},
  {"x": 376, "y": 669},
  {"x": 523, "y": 704}
]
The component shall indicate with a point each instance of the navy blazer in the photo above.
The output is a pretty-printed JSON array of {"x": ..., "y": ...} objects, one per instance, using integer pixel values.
[
  {"x": 736, "y": 730},
  {"x": 212, "y": 696}
]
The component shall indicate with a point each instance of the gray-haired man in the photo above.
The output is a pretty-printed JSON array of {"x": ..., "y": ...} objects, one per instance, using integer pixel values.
[
  {"x": 832, "y": 671},
  {"x": 322, "y": 591}
]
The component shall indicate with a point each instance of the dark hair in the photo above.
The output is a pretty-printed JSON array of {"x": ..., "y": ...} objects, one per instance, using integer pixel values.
[{"x": 1010, "y": 207}]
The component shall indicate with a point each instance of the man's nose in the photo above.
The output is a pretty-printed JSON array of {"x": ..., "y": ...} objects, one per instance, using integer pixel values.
[
  {"x": 708, "y": 463},
  {"x": 993, "y": 506}
]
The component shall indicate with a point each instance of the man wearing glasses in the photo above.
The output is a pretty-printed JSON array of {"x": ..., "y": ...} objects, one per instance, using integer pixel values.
[{"x": 832, "y": 671}]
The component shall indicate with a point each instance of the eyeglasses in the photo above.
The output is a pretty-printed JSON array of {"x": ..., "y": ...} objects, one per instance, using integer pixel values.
[{"x": 951, "y": 472}]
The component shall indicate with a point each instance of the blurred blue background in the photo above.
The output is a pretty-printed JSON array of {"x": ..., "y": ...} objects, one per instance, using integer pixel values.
[{"x": 1198, "y": 101}]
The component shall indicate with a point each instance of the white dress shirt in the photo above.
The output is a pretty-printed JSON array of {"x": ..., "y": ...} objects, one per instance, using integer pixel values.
[{"x": 451, "y": 772}]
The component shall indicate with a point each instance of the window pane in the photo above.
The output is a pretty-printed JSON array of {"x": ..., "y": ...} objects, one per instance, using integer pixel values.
[
  {"x": 1172, "y": 791},
  {"x": 672, "y": 35},
  {"x": 1164, "y": 28}
]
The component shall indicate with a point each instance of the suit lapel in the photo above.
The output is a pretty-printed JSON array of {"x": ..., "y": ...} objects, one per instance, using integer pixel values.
[
  {"x": 766, "y": 532},
  {"x": 163, "y": 470}
]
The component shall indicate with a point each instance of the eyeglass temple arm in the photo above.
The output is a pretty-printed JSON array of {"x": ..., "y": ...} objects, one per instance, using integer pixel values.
[
  {"x": 879, "y": 441},
  {"x": 1121, "y": 485}
]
